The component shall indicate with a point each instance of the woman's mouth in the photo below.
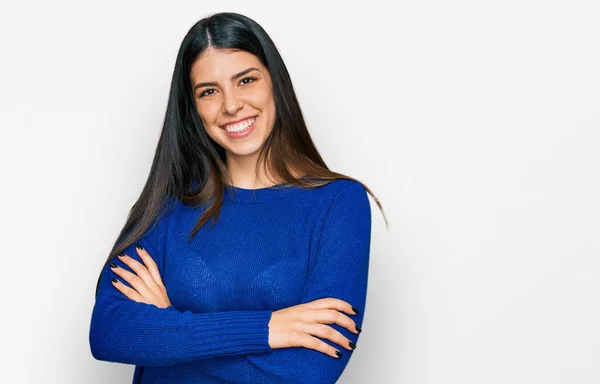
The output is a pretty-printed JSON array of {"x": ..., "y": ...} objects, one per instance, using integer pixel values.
[{"x": 242, "y": 128}]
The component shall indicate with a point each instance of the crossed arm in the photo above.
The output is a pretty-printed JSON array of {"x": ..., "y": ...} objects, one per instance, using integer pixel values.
[{"x": 231, "y": 346}]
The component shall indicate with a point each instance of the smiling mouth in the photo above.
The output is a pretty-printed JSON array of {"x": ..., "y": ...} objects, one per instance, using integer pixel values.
[
  {"x": 240, "y": 125},
  {"x": 238, "y": 122}
]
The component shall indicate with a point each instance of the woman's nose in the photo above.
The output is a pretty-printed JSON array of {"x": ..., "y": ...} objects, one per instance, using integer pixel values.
[{"x": 232, "y": 103}]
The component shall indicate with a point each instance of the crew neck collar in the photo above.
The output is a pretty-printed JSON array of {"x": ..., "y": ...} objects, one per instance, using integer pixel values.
[{"x": 238, "y": 194}]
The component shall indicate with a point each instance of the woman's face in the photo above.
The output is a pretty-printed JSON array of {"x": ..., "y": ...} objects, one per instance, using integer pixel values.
[{"x": 234, "y": 99}]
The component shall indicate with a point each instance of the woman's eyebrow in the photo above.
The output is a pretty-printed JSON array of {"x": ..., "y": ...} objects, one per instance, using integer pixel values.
[{"x": 213, "y": 84}]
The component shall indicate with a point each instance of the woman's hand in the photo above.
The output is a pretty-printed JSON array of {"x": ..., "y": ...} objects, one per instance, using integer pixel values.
[
  {"x": 296, "y": 326},
  {"x": 146, "y": 282}
]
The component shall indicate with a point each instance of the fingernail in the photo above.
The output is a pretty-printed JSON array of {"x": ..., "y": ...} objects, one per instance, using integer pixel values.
[
  {"x": 121, "y": 254},
  {"x": 138, "y": 246},
  {"x": 355, "y": 310},
  {"x": 113, "y": 265},
  {"x": 358, "y": 329},
  {"x": 352, "y": 345},
  {"x": 338, "y": 353},
  {"x": 115, "y": 280}
]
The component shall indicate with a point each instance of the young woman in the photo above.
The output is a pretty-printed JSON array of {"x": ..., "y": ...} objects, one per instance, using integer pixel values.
[{"x": 273, "y": 289}]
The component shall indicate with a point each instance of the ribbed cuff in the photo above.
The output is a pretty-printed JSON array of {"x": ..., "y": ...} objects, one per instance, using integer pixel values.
[{"x": 228, "y": 333}]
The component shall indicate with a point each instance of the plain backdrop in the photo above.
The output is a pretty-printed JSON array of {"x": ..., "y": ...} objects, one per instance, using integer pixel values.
[{"x": 474, "y": 122}]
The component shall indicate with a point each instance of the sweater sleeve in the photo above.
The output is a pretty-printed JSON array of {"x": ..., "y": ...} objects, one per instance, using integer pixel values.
[
  {"x": 123, "y": 330},
  {"x": 339, "y": 270}
]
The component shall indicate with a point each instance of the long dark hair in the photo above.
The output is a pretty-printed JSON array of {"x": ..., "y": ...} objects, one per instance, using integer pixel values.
[{"x": 190, "y": 166}]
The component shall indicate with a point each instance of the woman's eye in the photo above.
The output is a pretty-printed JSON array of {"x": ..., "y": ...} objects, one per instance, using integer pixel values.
[
  {"x": 210, "y": 91},
  {"x": 203, "y": 93},
  {"x": 248, "y": 78}
]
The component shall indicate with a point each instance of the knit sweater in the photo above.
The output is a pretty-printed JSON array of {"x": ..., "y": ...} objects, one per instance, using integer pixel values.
[{"x": 271, "y": 248}]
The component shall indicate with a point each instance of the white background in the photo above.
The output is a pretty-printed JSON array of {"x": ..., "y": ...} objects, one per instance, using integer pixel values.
[{"x": 475, "y": 123}]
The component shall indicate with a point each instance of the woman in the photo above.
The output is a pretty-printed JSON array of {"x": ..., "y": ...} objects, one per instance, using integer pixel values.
[{"x": 276, "y": 285}]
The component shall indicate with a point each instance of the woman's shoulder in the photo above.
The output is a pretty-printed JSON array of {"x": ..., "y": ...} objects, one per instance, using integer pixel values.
[
  {"x": 343, "y": 186},
  {"x": 339, "y": 193}
]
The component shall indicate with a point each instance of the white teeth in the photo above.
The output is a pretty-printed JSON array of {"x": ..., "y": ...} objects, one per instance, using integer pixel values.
[{"x": 240, "y": 126}]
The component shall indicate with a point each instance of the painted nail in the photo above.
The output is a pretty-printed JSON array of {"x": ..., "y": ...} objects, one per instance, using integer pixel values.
[
  {"x": 338, "y": 353},
  {"x": 113, "y": 265},
  {"x": 138, "y": 246},
  {"x": 352, "y": 345},
  {"x": 355, "y": 310},
  {"x": 358, "y": 329},
  {"x": 115, "y": 280},
  {"x": 121, "y": 254}
]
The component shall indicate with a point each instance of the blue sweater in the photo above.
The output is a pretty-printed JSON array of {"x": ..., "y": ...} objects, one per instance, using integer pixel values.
[{"x": 272, "y": 248}]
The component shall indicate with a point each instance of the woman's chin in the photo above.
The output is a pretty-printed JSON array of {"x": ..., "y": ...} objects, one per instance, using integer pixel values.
[{"x": 239, "y": 151}]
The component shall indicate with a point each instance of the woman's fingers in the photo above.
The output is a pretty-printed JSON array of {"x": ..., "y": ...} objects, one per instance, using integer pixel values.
[
  {"x": 332, "y": 303},
  {"x": 326, "y": 332},
  {"x": 140, "y": 270},
  {"x": 332, "y": 316},
  {"x": 329, "y": 310},
  {"x": 310, "y": 342},
  {"x": 150, "y": 264},
  {"x": 146, "y": 283},
  {"x": 135, "y": 281},
  {"x": 129, "y": 292},
  {"x": 305, "y": 324}
]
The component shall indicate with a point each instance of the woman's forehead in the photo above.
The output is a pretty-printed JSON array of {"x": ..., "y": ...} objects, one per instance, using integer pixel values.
[{"x": 223, "y": 63}]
